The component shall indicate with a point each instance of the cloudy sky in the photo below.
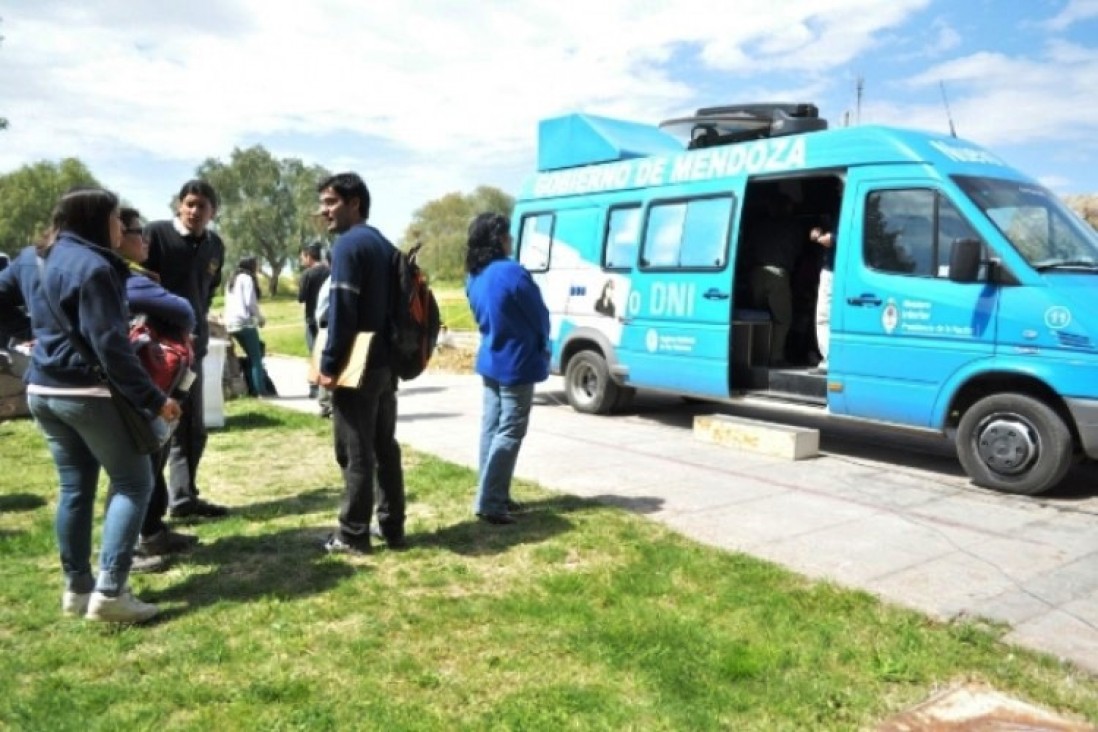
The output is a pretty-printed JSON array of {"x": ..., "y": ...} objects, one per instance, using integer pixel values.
[{"x": 427, "y": 97}]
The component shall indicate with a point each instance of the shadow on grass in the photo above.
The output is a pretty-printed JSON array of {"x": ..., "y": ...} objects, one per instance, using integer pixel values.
[
  {"x": 285, "y": 565},
  {"x": 300, "y": 503},
  {"x": 14, "y": 502},
  {"x": 540, "y": 520},
  {"x": 252, "y": 420}
]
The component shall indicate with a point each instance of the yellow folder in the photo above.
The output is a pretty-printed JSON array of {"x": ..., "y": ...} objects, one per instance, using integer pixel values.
[{"x": 351, "y": 375}]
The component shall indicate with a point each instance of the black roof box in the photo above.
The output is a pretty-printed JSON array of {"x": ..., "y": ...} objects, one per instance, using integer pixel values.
[{"x": 733, "y": 123}]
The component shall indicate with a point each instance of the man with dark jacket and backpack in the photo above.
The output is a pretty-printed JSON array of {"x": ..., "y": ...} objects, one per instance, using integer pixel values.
[{"x": 364, "y": 417}]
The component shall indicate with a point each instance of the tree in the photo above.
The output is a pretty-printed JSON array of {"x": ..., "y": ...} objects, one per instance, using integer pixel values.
[
  {"x": 1085, "y": 206},
  {"x": 28, "y": 195},
  {"x": 3, "y": 120},
  {"x": 267, "y": 206},
  {"x": 443, "y": 224}
]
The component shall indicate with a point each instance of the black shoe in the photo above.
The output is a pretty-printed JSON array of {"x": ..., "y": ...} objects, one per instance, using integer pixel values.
[
  {"x": 335, "y": 545},
  {"x": 165, "y": 541},
  {"x": 395, "y": 543},
  {"x": 498, "y": 519},
  {"x": 150, "y": 564},
  {"x": 199, "y": 508},
  {"x": 515, "y": 506}
]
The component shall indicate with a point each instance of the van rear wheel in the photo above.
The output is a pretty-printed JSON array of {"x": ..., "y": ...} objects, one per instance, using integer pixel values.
[
  {"x": 1015, "y": 444},
  {"x": 587, "y": 384}
]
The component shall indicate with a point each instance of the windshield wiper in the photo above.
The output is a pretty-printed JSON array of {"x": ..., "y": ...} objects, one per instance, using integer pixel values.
[{"x": 1088, "y": 264}]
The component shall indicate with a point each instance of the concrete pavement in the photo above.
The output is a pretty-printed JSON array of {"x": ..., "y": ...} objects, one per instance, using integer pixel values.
[{"x": 891, "y": 515}]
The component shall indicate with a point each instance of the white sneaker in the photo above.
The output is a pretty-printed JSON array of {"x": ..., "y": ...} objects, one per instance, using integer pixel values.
[
  {"x": 122, "y": 609},
  {"x": 75, "y": 603}
]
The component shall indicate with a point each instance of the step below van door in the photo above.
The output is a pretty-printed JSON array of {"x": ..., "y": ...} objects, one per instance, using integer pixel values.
[{"x": 900, "y": 327}]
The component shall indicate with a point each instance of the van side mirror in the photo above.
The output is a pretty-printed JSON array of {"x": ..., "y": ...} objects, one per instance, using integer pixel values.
[{"x": 964, "y": 260}]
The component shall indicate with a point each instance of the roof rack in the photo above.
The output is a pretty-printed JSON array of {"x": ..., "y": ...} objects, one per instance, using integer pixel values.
[{"x": 733, "y": 123}]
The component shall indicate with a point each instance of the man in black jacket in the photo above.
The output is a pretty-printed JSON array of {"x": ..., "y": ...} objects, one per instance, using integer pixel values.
[
  {"x": 314, "y": 272},
  {"x": 188, "y": 257}
]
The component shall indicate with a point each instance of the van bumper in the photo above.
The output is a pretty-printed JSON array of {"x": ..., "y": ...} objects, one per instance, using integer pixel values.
[{"x": 1085, "y": 414}]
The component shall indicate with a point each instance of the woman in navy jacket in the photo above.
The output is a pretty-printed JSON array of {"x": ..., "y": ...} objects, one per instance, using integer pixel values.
[
  {"x": 173, "y": 316},
  {"x": 84, "y": 279},
  {"x": 513, "y": 356}
]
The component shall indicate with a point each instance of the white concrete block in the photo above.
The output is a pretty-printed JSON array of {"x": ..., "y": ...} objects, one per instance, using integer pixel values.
[{"x": 792, "y": 443}]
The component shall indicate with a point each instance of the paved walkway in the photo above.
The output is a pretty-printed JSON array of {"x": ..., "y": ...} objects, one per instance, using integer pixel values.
[{"x": 893, "y": 516}]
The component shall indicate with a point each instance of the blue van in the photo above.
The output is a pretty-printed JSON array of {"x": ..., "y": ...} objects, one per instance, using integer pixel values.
[{"x": 686, "y": 258}]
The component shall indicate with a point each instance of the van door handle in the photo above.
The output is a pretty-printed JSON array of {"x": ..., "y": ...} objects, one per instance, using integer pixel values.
[
  {"x": 714, "y": 294},
  {"x": 866, "y": 298}
]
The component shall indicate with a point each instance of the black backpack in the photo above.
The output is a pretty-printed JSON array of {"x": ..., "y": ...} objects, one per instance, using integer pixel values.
[{"x": 413, "y": 329}]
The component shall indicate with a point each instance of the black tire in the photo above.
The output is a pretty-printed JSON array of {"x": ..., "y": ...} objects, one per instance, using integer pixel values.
[
  {"x": 587, "y": 384},
  {"x": 1015, "y": 444}
]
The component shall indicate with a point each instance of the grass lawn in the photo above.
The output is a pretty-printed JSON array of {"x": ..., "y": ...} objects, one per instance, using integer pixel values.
[{"x": 581, "y": 617}]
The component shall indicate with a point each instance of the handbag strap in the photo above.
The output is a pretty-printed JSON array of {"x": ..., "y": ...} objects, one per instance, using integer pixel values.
[{"x": 77, "y": 342}]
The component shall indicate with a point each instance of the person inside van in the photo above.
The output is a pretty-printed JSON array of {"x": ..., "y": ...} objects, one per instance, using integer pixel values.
[
  {"x": 773, "y": 244},
  {"x": 825, "y": 239}
]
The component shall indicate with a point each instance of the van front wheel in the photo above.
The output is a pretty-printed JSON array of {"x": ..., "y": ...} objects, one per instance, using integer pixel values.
[
  {"x": 1015, "y": 444},
  {"x": 587, "y": 384}
]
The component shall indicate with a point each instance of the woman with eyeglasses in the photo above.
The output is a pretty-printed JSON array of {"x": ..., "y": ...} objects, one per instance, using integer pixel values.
[
  {"x": 78, "y": 288},
  {"x": 170, "y": 315}
]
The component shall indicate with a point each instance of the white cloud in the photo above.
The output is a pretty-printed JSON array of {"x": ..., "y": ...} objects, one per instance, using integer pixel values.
[
  {"x": 1074, "y": 12},
  {"x": 432, "y": 96},
  {"x": 1000, "y": 100}
]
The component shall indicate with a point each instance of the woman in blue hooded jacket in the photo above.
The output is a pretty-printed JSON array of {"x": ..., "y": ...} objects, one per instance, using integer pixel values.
[
  {"x": 513, "y": 356},
  {"x": 82, "y": 279}
]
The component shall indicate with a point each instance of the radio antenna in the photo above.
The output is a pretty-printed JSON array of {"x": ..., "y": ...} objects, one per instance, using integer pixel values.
[
  {"x": 949, "y": 115},
  {"x": 858, "y": 100}
]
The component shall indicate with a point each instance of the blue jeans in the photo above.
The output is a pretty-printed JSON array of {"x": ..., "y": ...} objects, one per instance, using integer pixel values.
[
  {"x": 83, "y": 433},
  {"x": 503, "y": 425}
]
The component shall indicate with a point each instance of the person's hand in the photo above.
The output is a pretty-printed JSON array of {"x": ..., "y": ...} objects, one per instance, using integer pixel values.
[
  {"x": 171, "y": 411},
  {"x": 261, "y": 320},
  {"x": 325, "y": 381},
  {"x": 818, "y": 236}
]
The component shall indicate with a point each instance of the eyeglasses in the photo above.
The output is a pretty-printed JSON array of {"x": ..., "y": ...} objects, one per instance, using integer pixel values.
[{"x": 138, "y": 231}]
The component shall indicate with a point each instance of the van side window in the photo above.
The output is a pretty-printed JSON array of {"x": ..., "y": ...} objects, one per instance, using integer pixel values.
[
  {"x": 535, "y": 241},
  {"x": 688, "y": 234},
  {"x": 910, "y": 231},
  {"x": 622, "y": 237}
]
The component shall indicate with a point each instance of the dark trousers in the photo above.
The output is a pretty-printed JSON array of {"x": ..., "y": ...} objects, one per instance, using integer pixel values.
[
  {"x": 187, "y": 445},
  {"x": 158, "y": 501},
  {"x": 364, "y": 424}
]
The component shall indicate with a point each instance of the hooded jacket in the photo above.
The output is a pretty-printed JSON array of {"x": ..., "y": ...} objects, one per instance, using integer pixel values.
[{"x": 87, "y": 284}]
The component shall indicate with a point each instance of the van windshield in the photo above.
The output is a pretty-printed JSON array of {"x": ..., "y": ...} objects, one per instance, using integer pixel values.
[{"x": 1039, "y": 225}]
